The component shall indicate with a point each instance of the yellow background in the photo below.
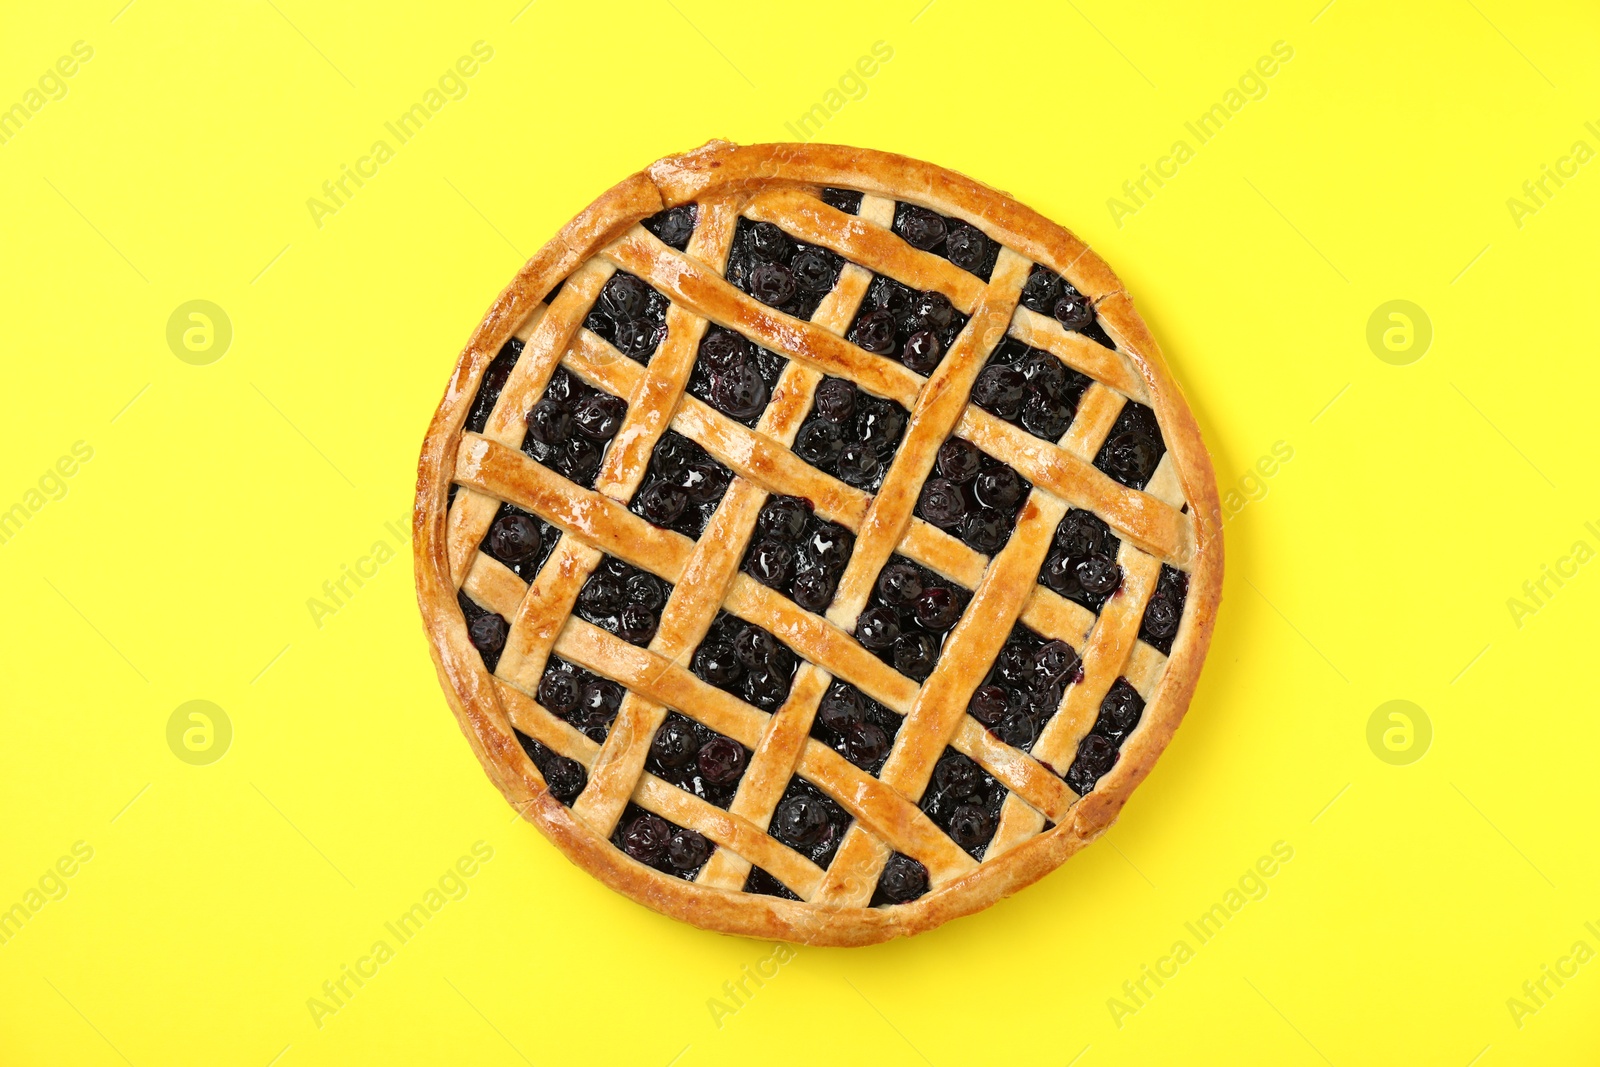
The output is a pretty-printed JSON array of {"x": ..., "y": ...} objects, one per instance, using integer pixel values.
[{"x": 219, "y": 498}]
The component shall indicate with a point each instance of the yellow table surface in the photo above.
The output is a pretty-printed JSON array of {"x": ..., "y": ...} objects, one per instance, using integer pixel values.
[{"x": 1413, "y": 511}]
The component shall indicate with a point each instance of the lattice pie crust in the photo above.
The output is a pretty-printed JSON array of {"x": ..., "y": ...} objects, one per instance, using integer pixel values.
[{"x": 712, "y": 853}]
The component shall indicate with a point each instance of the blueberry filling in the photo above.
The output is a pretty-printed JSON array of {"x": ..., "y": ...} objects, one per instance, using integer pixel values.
[
  {"x": 961, "y": 243},
  {"x": 964, "y": 800},
  {"x": 1082, "y": 564},
  {"x": 1024, "y": 687},
  {"x": 564, "y": 777},
  {"x": 1165, "y": 610},
  {"x": 973, "y": 496},
  {"x": 743, "y": 659},
  {"x": 897, "y": 321},
  {"x": 584, "y": 701},
  {"x": 694, "y": 757},
  {"x": 854, "y": 725},
  {"x": 797, "y": 553},
  {"x": 1120, "y": 712},
  {"x": 850, "y": 434},
  {"x": 655, "y": 842},
  {"x": 631, "y": 315},
  {"x": 903, "y": 880},
  {"x": 486, "y": 630},
  {"x": 521, "y": 540},
  {"x": 809, "y": 821},
  {"x": 1133, "y": 448},
  {"x": 1050, "y": 294},
  {"x": 735, "y": 376},
  {"x": 555, "y": 291},
  {"x": 762, "y": 882},
  {"x": 1029, "y": 388},
  {"x": 845, "y": 200},
  {"x": 908, "y": 615},
  {"x": 682, "y": 487},
  {"x": 624, "y": 600},
  {"x": 674, "y": 226},
  {"x": 494, "y": 380},
  {"x": 779, "y": 271},
  {"x": 571, "y": 425}
]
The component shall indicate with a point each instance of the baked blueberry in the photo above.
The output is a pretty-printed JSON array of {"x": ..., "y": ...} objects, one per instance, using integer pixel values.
[
  {"x": 674, "y": 226},
  {"x": 1000, "y": 389},
  {"x": 846, "y": 200},
  {"x": 1120, "y": 711},
  {"x": 661, "y": 844},
  {"x": 622, "y": 599},
  {"x": 488, "y": 633},
  {"x": 1073, "y": 310},
  {"x": 571, "y": 424},
  {"x": 915, "y": 654},
  {"x": 937, "y": 609},
  {"x": 1095, "y": 757},
  {"x": 1042, "y": 290},
  {"x": 874, "y": 331},
  {"x": 514, "y": 538},
  {"x": 721, "y": 761},
  {"x": 697, "y": 759},
  {"x": 903, "y": 880},
  {"x": 1024, "y": 687},
  {"x": 1082, "y": 563},
  {"x": 682, "y": 487},
  {"x": 743, "y": 659},
  {"x": 797, "y": 553},
  {"x": 778, "y": 270},
  {"x": 969, "y": 249},
  {"x": 759, "y": 881},
  {"x": 819, "y": 443},
  {"x": 809, "y": 821},
  {"x": 1134, "y": 447},
  {"x": 959, "y": 460},
  {"x": 494, "y": 380},
  {"x": 923, "y": 352},
  {"x": 772, "y": 283},
  {"x": 564, "y": 777},
  {"x": 907, "y": 616},
  {"x": 1165, "y": 610},
  {"x": 988, "y": 705},
  {"x": 920, "y": 227},
  {"x": 850, "y": 434},
  {"x": 1099, "y": 576},
  {"x": 858, "y": 465},
  {"x": 585, "y": 701},
  {"x": 835, "y": 400},
  {"x": 878, "y": 627},
  {"x": 943, "y": 503}
]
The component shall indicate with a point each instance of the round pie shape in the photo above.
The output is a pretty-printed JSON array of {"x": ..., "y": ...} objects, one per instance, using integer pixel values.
[{"x": 613, "y": 588}]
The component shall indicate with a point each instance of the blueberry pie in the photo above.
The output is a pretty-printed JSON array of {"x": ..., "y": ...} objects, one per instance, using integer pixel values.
[{"x": 813, "y": 544}]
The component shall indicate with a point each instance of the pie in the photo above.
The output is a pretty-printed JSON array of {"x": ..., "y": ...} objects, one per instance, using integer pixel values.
[{"x": 813, "y": 544}]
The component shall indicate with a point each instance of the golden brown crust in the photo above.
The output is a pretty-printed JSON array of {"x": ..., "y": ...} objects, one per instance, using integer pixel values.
[{"x": 777, "y": 182}]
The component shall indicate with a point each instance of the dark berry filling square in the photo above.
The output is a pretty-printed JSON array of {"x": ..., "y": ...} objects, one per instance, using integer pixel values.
[
  {"x": 902, "y": 881},
  {"x": 854, "y": 725},
  {"x": 961, "y": 243},
  {"x": 809, "y": 821},
  {"x": 494, "y": 380},
  {"x": 762, "y": 882},
  {"x": 521, "y": 540},
  {"x": 1165, "y": 610},
  {"x": 779, "y": 271},
  {"x": 655, "y": 842},
  {"x": 897, "y": 321},
  {"x": 1050, "y": 294},
  {"x": 908, "y": 615},
  {"x": 565, "y": 777},
  {"x": 571, "y": 425},
  {"x": 683, "y": 486},
  {"x": 1120, "y": 712},
  {"x": 631, "y": 315},
  {"x": 1082, "y": 564},
  {"x": 734, "y": 376},
  {"x": 797, "y": 553},
  {"x": 964, "y": 800},
  {"x": 1133, "y": 448},
  {"x": 624, "y": 600},
  {"x": 1030, "y": 388},
  {"x": 845, "y": 200},
  {"x": 584, "y": 701},
  {"x": 674, "y": 226},
  {"x": 695, "y": 758},
  {"x": 741, "y": 658},
  {"x": 850, "y": 434},
  {"x": 1024, "y": 687},
  {"x": 973, "y": 496},
  {"x": 486, "y": 630}
]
